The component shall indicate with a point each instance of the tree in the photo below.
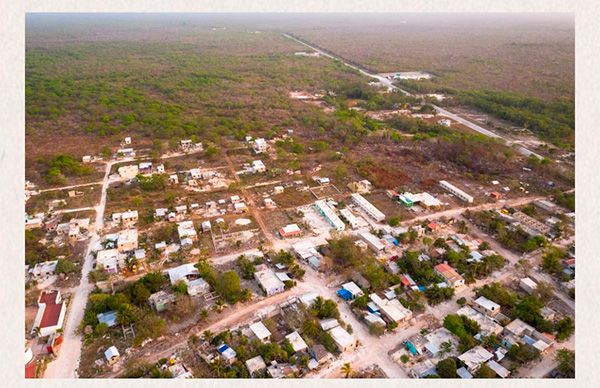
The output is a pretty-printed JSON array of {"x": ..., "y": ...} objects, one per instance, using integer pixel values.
[
  {"x": 377, "y": 329},
  {"x": 485, "y": 372},
  {"x": 564, "y": 328},
  {"x": 436, "y": 295},
  {"x": 347, "y": 370},
  {"x": 140, "y": 294},
  {"x": 394, "y": 221},
  {"x": 65, "y": 266},
  {"x": 566, "y": 362},
  {"x": 228, "y": 285},
  {"x": 180, "y": 287},
  {"x": 551, "y": 261},
  {"x": 446, "y": 368}
]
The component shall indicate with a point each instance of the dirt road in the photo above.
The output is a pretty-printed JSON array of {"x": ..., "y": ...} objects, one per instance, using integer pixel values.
[
  {"x": 65, "y": 366},
  {"x": 389, "y": 84}
]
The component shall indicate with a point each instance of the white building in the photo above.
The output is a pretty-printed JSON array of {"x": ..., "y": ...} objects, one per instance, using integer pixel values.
[
  {"x": 44, "y": 269},
  {"x": 186, "y": 229},
  {"x": 296, "y": 341},
  {"x": 108, "y": 259},
  {"x": 343, "y": 340},
  {"x": 456, "y": 191},
  {"x": 372, "y": 241},
  {"x": 368, "y": 207},
  {"x": 528, "y": 285},
  {"x": 474, "y": 357},
  {"x": 392, "y": 309},
  {"x": 259, "y": 145},
  {"x": 51, "y": 314},
  {"x": 112, "y": 355},
  {"x": 260, "y": 331},
  {"x": 268, "y": 281},
  {"x": 127, "y": 240},
  {"x": 330, "y": 215},
  {"x": 258, "y": 166}
]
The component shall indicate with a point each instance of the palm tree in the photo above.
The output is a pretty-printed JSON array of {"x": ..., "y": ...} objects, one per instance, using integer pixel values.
[
  {"x": 207, "y": 335},
  {"x": 347, "y": 369}
]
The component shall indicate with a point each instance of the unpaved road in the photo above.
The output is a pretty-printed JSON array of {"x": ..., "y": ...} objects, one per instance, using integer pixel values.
[
  {"x": 66, "y": 364},
  {"x": 386, "y": 82}
]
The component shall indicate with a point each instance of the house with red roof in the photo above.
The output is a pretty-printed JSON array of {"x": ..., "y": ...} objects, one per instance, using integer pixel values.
[
  {"x": 50, "y": 315},
  {"x": 451, "y": 277}
]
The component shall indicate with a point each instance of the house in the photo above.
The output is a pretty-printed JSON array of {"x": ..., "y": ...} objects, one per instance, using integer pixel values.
[
  {"x": 185, "y": 144},
  {"x": 127, "y": 140},
  {"x": 373, "y": 242},
  {"x": 127, "y": 219},
  {"x": 279, "y": 371},
  {"x": 486, "y": 306},
  {"x": 343, "y": 340},
  {"x": 160, "y": 169},
  {"x": 259, "y": 145},
  {"x": 127, "y": 240},
  {"x": 173, "y": 179},
  {"x": 161, "y": 300},
  {"x": 320, "y": 354},
  {"x": 109, "y": 318},
  {"x": 474, "y": 357},
  {"x": 291, "y": 230},
  {"x": 518, "y": 328},
  {"x": 260, "y": 331},
  {"x": 227, "y": 353},
  {"x": 463, "y": 373},
  {"x": 145, "y": 167},
  {"x": 296, "y": 341},
  {"x": 181, "y": 209},
  {"x": 456, "y": 191},
  {"x": 496, "y": 195},
  {"x": 240, "y": 207},
  {"x": 179, "y": 371},
  {"x": 475, "y": 257},
  {"x": 436, "y": 339},
  {"x": 258, "y": 166},
  {"x": 322, "y": 180},
  {"x": 50, "y": 315},
  {"x": 188, "y": 273},
  {"x": 32, "y": 223},
  {"x": 126, "y": 153},
  {"x": 112, "y": 355},
  {"x": 499, "y": 369},
  {"x": 328, "y": 324},
  {"x": 44, "y": 269},
  {"x": 197, "y": 286},
  {"x": 108, "y": 259},
  {"x": 186, "y": 229},
  {"x": 451, "y": 277},
  {"x": 268, "y": 281},
  {"x": 160, "y": 213},
  {"x": 392, "y": 310},
  {"x": 330, "y": 216},
  {"x": 354, "y": 221},
  {"x": 308, "y": 298},
  {"x": 128, "y": 172},
  {"x": 368, "y": 207},
  {"x": 277, "y": 190},
  {"x": 424, "y": 199},
  {"x": 487, "y": 325},
  {"x": 350, "y": 291},
  {"x": 528, "y": 285},
  {"x": 86, "y": 159},
  {"x": 423, "y": 369},
  {"x": 255, "y": 365}
]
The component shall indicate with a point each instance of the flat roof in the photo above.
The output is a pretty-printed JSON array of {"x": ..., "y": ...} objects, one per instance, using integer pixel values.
[{"x": 260, "y": 330}]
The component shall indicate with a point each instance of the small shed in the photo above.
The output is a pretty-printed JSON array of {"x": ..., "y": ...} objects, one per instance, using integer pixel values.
[{"x": 112, "y": 355}]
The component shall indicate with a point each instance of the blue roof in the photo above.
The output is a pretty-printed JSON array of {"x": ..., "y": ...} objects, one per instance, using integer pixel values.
[
  {"x": 463, "y": 373},
  {"x": 222, "y": 348},
  {"x": 344, "y": 294}
]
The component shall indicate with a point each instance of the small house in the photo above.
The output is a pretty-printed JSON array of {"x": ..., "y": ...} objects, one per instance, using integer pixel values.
[{"x": 112, "y": 355}]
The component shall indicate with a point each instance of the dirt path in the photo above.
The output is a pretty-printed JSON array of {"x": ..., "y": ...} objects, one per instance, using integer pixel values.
[{"x": 70, "y": 187}]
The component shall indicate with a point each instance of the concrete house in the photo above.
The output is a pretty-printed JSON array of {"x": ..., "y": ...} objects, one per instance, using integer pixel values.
[
  {"x": 50, "y": 315},
  {"x": 486, "y": 306},
  {"x": 451, "y": 277},
  {"x": 268, "y": 281},
  {"x": 127, "y": 240},
  {"x": 112, "y": 355}
]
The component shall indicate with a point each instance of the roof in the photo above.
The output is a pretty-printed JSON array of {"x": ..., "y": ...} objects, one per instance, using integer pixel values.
[
  {"x": 352, "y": 288},
  {"x": 499, "y": 369},
  {"x": 518, "y": 328},
  {"x": 463, "y": 373},
  {"x": 368, "y": 207},
  {"x": 475, "y": 356},
  {"x": 111, "y": 352},
  {"x": 282, "y": 276},
  {"x": 329, "y": 323},
  {"x": 260, "y": 330},
  {"x": 341, "y": 336},
  {"x": 373, "y": 241},
  {"x": 255, "y": 364},
  {"x": 308, "y": 298},
  {"x": 486, "y": 324},
  {"x": 448, "y": 273},
  {"x": 227, "y": 352},
  {"x": 52, "y": 307},
  {"x": 267, "y": 279},
  {"x": 296, "y": 341},
  {"x": 181, "y": 272},
  {"x": 392, "y": 309},
  {"x": 487, "y": 304},
  {"x": 290, "y": 229}
]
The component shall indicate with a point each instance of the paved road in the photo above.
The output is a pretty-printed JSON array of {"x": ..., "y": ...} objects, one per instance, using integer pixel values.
[{"x": 389, "y": 84}]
